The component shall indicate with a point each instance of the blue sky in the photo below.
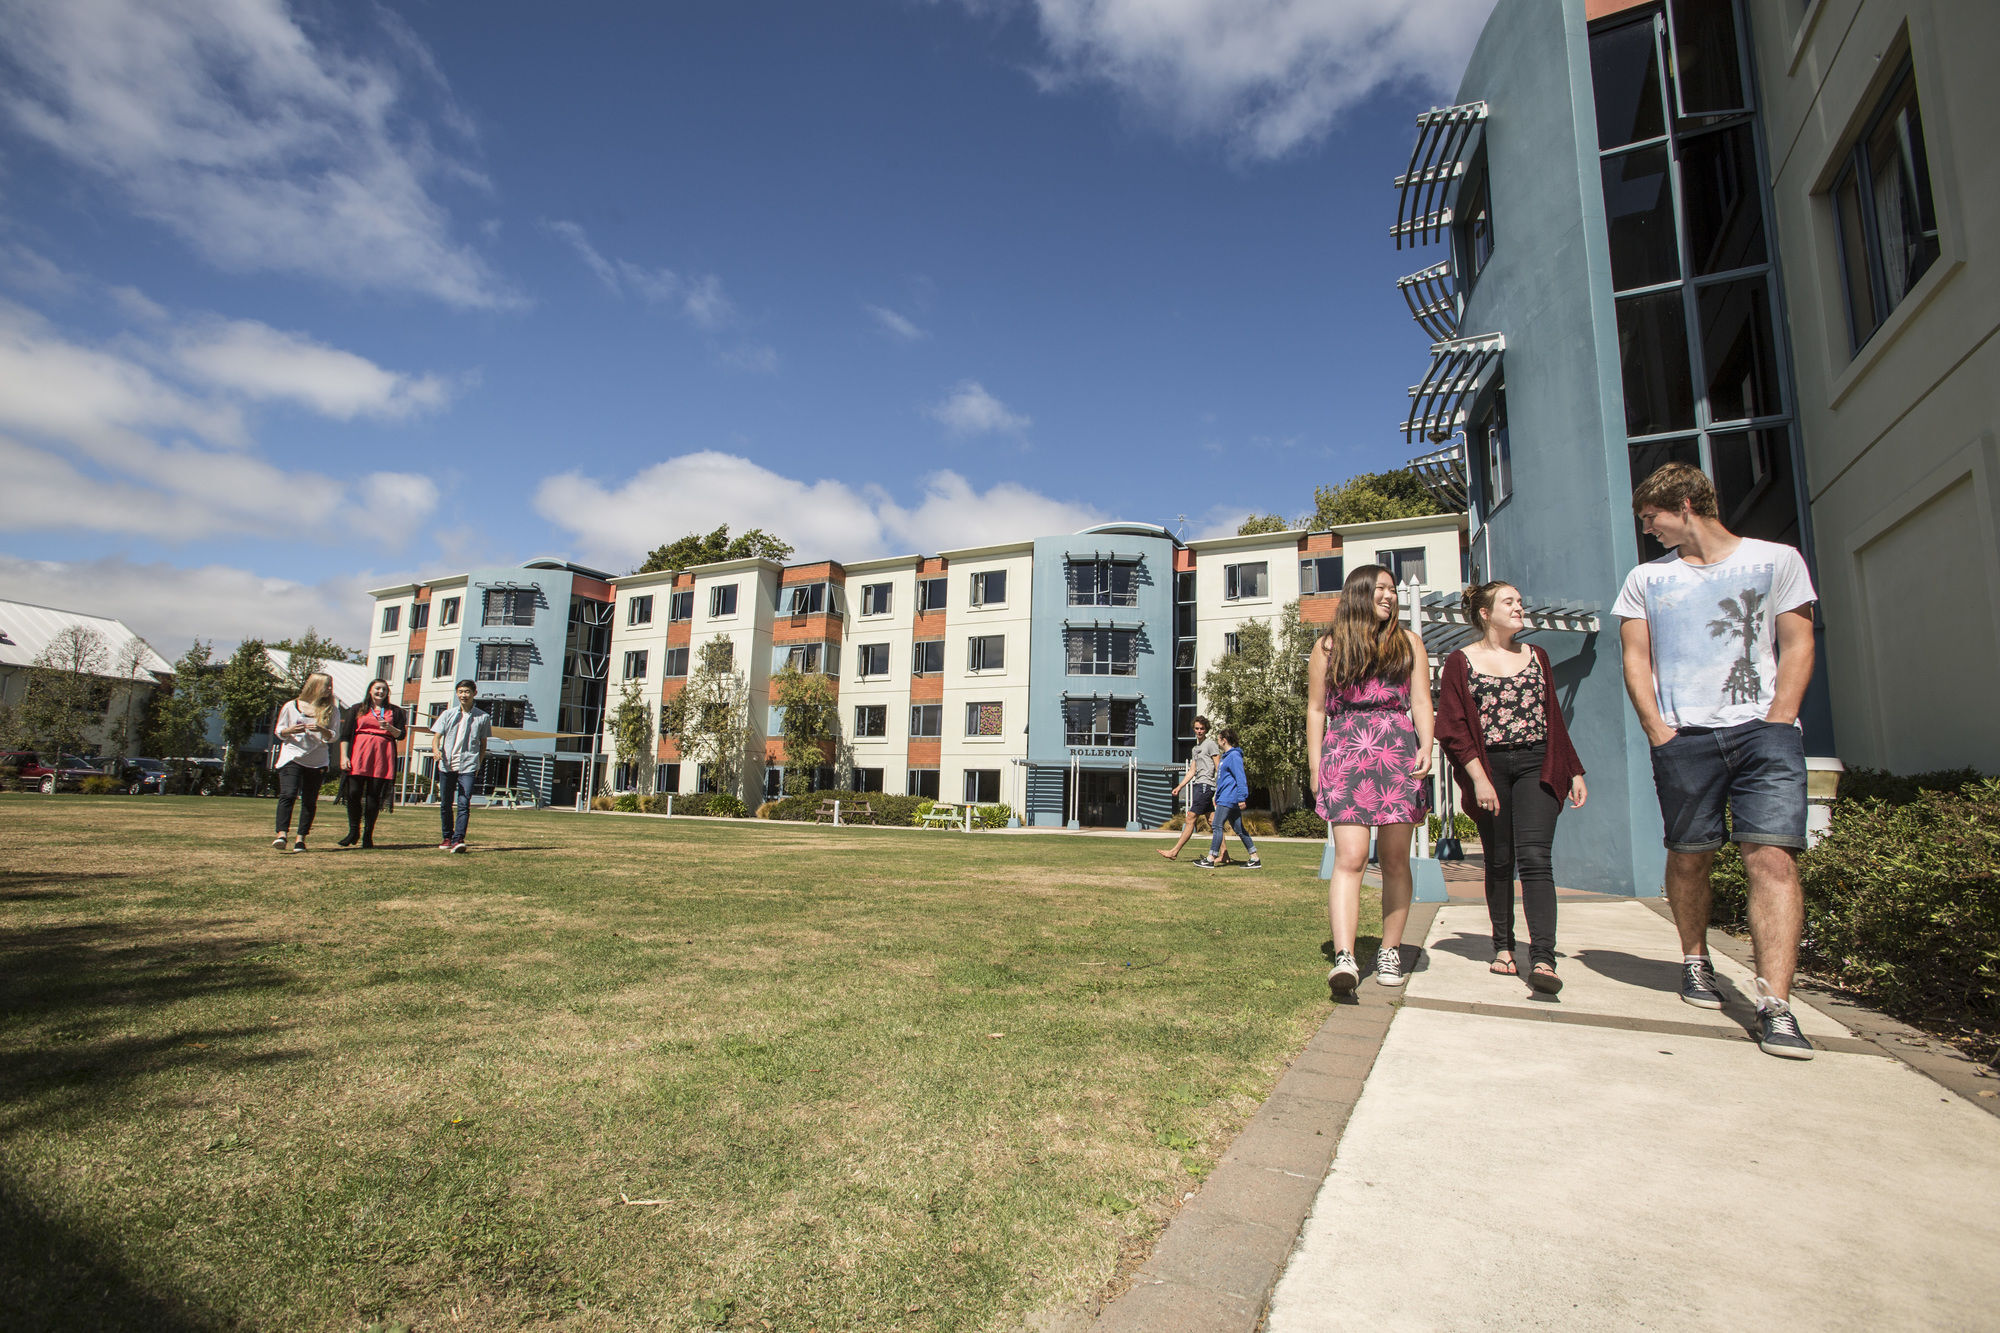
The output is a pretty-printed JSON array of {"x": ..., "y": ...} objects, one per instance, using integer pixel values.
[{"x": 300, "y": 299}]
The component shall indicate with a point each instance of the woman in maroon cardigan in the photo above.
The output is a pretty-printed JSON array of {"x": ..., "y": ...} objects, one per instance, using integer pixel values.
[{"x": 1498, "y": 720}]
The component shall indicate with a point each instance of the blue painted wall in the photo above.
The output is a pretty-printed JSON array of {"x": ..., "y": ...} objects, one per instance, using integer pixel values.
[
  {"x": 1049, "y": 678},
  {"x": 549, "y": 634},
  {"x": 1566, "y": 533}
]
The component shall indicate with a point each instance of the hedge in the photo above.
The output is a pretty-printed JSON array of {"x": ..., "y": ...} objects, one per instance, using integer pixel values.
[
  {"x": 888, "y": 809},
  {"x": 719, "y": 803},
  {"x": 1902, "y": 898}
]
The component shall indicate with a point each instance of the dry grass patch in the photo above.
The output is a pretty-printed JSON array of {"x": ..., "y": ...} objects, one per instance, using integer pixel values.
[{"x": 241, "y": 1089}]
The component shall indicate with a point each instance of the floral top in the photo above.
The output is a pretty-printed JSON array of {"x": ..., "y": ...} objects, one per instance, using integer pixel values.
[{"x": 1510, "y": 707}]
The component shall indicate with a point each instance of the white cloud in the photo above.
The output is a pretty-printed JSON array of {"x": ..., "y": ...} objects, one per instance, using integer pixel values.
[
  {"x": 969, "y": 410},
  {"x": 93, "y": 438},
  {"x": 170, "y": 606},
  {"x": 261, "y": 148},
  {"x": 1263, "y": 75},
  {"x": 579, "y": 241},
  {"x": 261, "y": 362},
  {"x": 705, "y": 303},
  {"x": 899, "y": 325},
  {"x": 757, "y": 358},
  {"x": 615, "y": 524},
  {"x": 701, "y": 299}
]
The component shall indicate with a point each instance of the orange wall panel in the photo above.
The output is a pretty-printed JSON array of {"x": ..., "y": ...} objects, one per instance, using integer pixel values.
[{"x": 925, "y": 754}]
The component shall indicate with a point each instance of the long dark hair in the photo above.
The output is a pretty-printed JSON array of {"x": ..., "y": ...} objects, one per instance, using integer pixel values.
[
  {"x": 1360, "y": 646},
  {"x": 368, "y": 695}
]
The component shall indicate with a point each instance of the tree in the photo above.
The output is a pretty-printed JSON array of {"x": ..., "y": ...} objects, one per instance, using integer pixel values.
[
  {"x": 247, "y": 693},
  {"x": 696, "y": 549},
  {"x": 632, "y": 730},
  {"x": 309, "y": 653},
  {"x": 1371, "y": 498},
  {"x": 809, "y": 724},
  {"x": 1261, "y": 523},
  {"x": 1259, "y": 691},
  {"x": 710, "y": 717},
  {"x": 178, "y": 721},
  {"x": 68, "y": 689}
]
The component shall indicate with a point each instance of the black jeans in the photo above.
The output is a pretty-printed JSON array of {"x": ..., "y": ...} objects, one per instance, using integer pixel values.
[
  {"x": 1519, "y": 838},
  {"x": 297, "y": 783}
]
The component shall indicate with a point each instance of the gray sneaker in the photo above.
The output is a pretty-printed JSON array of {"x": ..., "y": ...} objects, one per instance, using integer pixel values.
[
  {"x": 1698, "y": 986},
  {"x": 1778, "y": 1028},
  {"x": 1389, "y": 967},
  {"x": 1345, "y": 974}
]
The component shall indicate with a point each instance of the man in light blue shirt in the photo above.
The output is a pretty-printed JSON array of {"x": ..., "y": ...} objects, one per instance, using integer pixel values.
[{"x": 458, "y": 738}]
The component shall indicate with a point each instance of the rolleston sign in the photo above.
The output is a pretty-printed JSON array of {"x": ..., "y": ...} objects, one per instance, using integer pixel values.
[{"x": 1100, "y": 753}]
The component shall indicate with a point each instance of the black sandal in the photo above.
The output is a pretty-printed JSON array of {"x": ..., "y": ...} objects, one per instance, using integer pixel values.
[
  {"x": 1504, "y": 967},
  {"x": 1548, "y": 983}
]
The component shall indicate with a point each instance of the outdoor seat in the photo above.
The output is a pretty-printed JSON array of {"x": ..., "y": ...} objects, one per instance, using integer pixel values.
[{"x": 944, "y": 815}]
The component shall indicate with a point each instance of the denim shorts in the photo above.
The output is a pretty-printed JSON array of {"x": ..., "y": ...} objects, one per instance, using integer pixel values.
[
  {"x": 1757, "y": 770},
  {"x": 1202, "y": 802}
]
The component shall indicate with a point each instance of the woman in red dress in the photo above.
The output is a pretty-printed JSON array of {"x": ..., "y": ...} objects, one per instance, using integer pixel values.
[{"x": 368, "y": 735}]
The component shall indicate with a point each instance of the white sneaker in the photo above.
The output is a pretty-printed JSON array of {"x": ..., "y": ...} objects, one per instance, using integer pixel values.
[
  {"x": 1345, "y": 974},
  {"x": 1389, "y": 967}
]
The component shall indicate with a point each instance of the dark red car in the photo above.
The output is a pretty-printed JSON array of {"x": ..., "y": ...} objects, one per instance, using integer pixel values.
[{"x": 65, "y": 774}]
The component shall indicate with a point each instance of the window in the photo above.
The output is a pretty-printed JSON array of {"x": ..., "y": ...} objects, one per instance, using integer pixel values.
[
  {"x": 704, "y": 778},
  {"x": 504, "y": 661},
  {"x": 1639, "y": 214},
  {"x": 667, "y": 778},
  {"x": 1888, "y": 227},
  {"x": 726, "y": 655},
  {"x": 676, "y": 664},
  {"x": 510, "y": 606},
  {"x": 1232, "y": 643},
  {"x": 1103, "y": 583},
  {"x": 392, "y": 617},
  {"x": 413, "y": 667},
  {"x": 385, "y": 667},
  {"x": 1100, "y": 722},
  {"x": 871, "y": 720},
  {"x": 867, "y": 779},
  {"x": 1244, "y": 582},
  {"x": 927, "y": 657},
  {"x": 809, "y": 599},
  {"x": 639, "y": 611},
  {"x": 1406, "y": 563},
  {"x": 926, "y": 720},
  {"x": 986, "y": 652},
  {"x": 420, "y": 615},
  {"x": 931, "y": 594},
  {"x": 635, "y": 665},
  {"x": 1498, "y": 454},
  {"x": 448, "y": 613},
  {"x": 1321, "y": 573},
  {"x": 722, "y": 601},
  {"x": 506, "y": 712},
  {"x": 983, "y": 719},
  {"x": 813, "y": 658},
  {"x": 875, "y": 598},
  {"x": 1101, "y": 652},
  {"x": 1476, "y": 232},
  {"x": 923, "y": 782},
  {"x": 680, "y": 606},
  {"x": 989, "y": 587},
  {"x": 982, "y": 786},
  {"x": 441, "y": 664},
  {"x": 874, "y": 659},
  {"x": 437, "y": 710}
]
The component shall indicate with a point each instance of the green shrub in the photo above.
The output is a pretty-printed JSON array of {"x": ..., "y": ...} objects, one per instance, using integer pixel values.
[
  {"x": 626, "y": 803},
  {"x": 1259, "y": 822},
  {"x": 601, "y": 801},
  {"x": 1461, "y": 826},
  {"x": 727, "y": 804},
  {"x": 1302, "y": 824},
  {"x": 330, "y": 788},
  {"x": 1201, "y": 824},
  {"x": 991, "y": 816},
  {"x": 1866, "y": 784},
  {"x": 101, "y": 786},
  {"x": 888, "y": 809},
  {"x": 1902, "y": 900}
]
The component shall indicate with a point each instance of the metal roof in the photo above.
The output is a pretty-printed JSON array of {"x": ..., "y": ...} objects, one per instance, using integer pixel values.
[{"x": 26, "y": 630}]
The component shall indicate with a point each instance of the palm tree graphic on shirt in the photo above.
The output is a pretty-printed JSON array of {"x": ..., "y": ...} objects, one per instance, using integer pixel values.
[{"x": 1740, "y": 620}]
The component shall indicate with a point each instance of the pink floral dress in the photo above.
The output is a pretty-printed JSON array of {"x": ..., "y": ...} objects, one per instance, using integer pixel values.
[{"x": 1365, "y": 764}]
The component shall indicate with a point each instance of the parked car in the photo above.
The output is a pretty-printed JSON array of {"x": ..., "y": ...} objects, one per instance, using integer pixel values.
[
  {"x": 140, "y": 776},
  {"x": 52, "y": 773}
]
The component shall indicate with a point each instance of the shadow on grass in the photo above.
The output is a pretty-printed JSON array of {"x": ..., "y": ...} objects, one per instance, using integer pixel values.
[
  {"x": 24, "y": 886},
  {"x": 72, "y": 994},
  {"x": 52, "y": 1278}
]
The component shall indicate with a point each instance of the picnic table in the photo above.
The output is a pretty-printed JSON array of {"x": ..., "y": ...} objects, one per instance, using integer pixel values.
[
  {"x": 844, "y": 812},
  {"x": 944, "y": 814}
]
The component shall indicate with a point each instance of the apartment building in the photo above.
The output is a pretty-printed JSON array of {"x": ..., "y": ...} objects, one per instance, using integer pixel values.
[{"x": 1057, "y": 675}]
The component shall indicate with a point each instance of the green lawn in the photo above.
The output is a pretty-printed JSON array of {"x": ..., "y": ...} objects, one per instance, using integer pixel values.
[{"x": 860, "y": 1078}]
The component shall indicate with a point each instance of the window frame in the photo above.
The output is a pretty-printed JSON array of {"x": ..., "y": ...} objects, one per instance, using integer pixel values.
[
  {"x": 877, "y": 599},
  {"x": 938, "y": 584},
  {"x": 680, "y": 605},
  {"x": 1232, "y": 581},
  {"x": 720, "y": 593},
  {"x": 981, "y": 582},
  {"x": 385, "y": 668},
  {"x": 392, "y": 619},
  {"x": 1110, "y": 737},
  {"x": 442, "y": 661},
  {"x": 971, "y": 719},
  {"x": 1103, "y": 658},
  {"x": 514, "y": 675},
  {"x": 1103, "y": 590},
  {"x": 935, "y": 716},
  {"x": 667, "y": 663},
  {"x": 917, "y": 648},
  {"x": 413, "y": 668},
  {"x": 1313, "y": 562},
  {"x": 867, "y": 714},
  {"x": 1857, "y": 171},
  {"x": 913, "y": 780},
  {"x": 448, "y": 613},
  {"x": 866, "y": 651},
  {"x": 639, "y": 609},
  {"x": 642, "y": 658},
  {"x": 420, "y": 616},
  {"x": 978, "y": 647},
  {"x": 974, "y": 784}
]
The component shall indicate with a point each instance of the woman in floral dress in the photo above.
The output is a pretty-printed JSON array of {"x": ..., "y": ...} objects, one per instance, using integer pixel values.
[
  {"x": 1368, "y": 749},
  {"x": 1504, "y": 734}
]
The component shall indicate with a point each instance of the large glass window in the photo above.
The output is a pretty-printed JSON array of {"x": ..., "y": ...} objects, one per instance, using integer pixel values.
[
  {"x": 1887, "y": 221},
  {"x": 986, "y": 652},
  {"x": 1317, "y": 574},
  {"x": 927, "y": 657},
  {"x": 1246, "y": 582},
  {"x": 510, "y": 606},
  {"x": 1708, "y": 73},
  {"x": 983, "y": 719},
  {"x": 810, "y": 599},
  {"x": 1102, "y": 652},
  {"x": 931, "y": 594},
  {"x": 926, "y": 721},
  {"x": 1754, "y": 488},
  {"x": 1101, "y": 722},
  {"x": 1103, "y": 583},
  {"x": 639, "y": 610},
  {"x": 1625, "y": 76},
  {"x": 505, "y": 661},
  {"x": 722, "y": 601},
  {"x": 874, "y": 659},
  {"x": 680, "y": 606},
  {"x": 1639, "y": 211},
  {"x": 1740, "y": 350},
  {"x": 875, "y": 598},
  {"x": 448, "y": 615},
  {"x": 1724, "y": 207},
  {"x": 420, "y": 615},
  {"x": 989, "y": 587},
  {"x": 982, "y": 786},
  {"x": 922, "y": 782},
  {"x": 635, "y": 664},
  {"x": 871, "y": 720},
  {"x": 1653, "y": 352},
  {"x": 677, "y": 662}
]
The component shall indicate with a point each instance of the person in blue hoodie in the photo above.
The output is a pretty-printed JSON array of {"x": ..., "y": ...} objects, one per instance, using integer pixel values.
[{"x": 1232, "y": 792}]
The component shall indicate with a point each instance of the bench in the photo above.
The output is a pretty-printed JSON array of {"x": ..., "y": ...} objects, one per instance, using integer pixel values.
[
  {"x": 511, "y": 798},
  {"x": 943, "y": 815},
  {"x": 844, "y": 812}
]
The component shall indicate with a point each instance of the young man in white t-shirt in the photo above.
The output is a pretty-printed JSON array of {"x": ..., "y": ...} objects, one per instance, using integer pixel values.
[{"x": 1718, "y": 642}]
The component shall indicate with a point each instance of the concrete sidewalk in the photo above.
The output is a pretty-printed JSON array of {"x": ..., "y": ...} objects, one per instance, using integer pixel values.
[{"x": 1608, "y": 1158}]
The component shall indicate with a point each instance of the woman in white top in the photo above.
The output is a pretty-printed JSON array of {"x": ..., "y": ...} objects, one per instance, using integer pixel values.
[{"x": 305, "y": 725}]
